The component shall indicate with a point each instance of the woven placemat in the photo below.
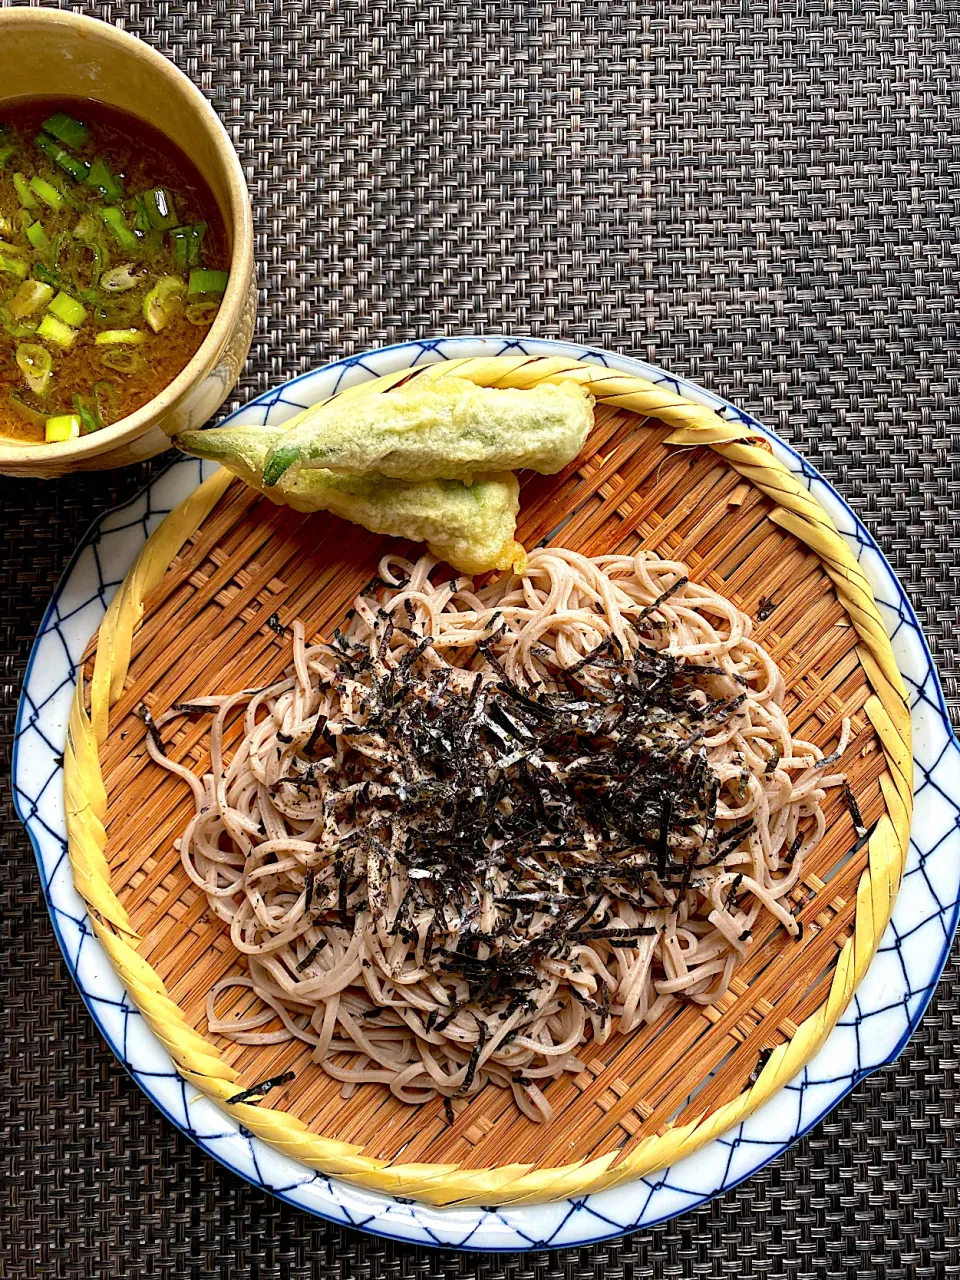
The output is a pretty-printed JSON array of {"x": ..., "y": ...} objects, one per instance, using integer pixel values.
[{"x": 766, "y": 199}]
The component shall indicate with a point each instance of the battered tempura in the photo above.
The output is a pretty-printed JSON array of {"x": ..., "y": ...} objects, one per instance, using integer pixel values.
[
  {"x": 450, "y": 429},
  {"x": 471, "y": 527}
]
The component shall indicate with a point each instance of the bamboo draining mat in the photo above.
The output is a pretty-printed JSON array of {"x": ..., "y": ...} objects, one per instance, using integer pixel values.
[{"x": 205, "y": 629}]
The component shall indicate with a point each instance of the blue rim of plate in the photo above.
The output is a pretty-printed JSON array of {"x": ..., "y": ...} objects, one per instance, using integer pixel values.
[{"x": 890, "y": 1001}]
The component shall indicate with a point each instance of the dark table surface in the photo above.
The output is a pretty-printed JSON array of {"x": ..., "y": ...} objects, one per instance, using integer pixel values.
[{"x": 764, "y": 197}]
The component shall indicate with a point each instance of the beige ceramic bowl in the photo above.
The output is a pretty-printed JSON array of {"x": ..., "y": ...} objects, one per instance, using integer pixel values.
[{"x": 80, "y": 57}]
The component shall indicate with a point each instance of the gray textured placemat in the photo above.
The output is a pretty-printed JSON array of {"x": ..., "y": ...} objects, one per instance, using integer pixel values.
[{"x": 764, "y": 197}]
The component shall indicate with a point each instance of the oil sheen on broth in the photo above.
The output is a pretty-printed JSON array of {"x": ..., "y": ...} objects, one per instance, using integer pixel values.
[{"x": 113, "y": 260}]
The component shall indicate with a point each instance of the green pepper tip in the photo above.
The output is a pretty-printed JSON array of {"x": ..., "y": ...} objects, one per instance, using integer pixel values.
[{"x": 279, "y": 462}]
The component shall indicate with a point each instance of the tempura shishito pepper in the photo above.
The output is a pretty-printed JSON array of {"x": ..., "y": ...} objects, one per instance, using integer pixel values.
[
  {"x": 450, "y": 429},
  {"x": 471, "y": 527}
]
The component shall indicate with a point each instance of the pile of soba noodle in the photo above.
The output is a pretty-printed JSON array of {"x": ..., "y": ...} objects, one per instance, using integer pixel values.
[{"x": 483, "y": 824}]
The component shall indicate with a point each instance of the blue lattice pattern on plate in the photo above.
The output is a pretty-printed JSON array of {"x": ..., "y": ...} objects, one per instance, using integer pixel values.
[{"x": 887, "y": 1006}]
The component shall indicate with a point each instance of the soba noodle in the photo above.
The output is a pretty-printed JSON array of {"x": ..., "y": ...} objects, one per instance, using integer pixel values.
[{"x": 613, "y": 871}]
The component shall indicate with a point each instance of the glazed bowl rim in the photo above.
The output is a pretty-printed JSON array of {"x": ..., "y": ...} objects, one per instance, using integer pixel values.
[{"x": 141, "y": 420}]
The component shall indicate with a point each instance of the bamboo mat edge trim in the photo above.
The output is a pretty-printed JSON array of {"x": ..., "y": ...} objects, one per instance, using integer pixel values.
[{"x": 198, "y": 1061}]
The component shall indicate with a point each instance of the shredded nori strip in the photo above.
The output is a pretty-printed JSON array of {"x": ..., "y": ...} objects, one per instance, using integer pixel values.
[
  {"x": 765, "y": 607},
  {"x": 584, "y": 1000},
  {"x": 864, "y": 839},
  {"x": 588, "y": 660},
  {"x": 448, "y": 1112},
  {"x": 594, "y": 792},
  {"x": 312, "y": 954},
  {"x": 762, "y": 1059},
  {"x": 193, "y": 708},
  {"x": 439, "y": 1024},
  {"x": 732, "y": 894},
  {"x": 274, "y": 623},
  {"x": 830, "y": 759},
  {"x": 257, "y": 1092},
  {"x": 651, "y": 608},
  {"x": 663, "y": 836},
  {"x": 626, "y": 932},
  {"x": 152, "y": 730},
  {"x": 475, "y": 1053},
  {"x": 858, "y": 824}
]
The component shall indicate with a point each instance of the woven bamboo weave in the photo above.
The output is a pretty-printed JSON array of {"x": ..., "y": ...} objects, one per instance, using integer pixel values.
[{"x": 660, "y": 470}]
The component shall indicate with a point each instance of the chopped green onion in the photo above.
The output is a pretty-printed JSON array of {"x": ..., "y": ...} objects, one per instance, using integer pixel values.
[
  {"x": 161, "y": 209},
  {"x": 90, "y": 296},
  {"x": 119, "y": 279},
  {"x": 187, "y": 241},
  {"x": 67, "y": 130},
  {"x": 25, "y": 329},
  {"x": 118, "y": 310},
  {"x": 152, "y": 244},
  {"x": 25, "y": 218},
  {"x": 11, "y": 250},
  {"x": 207, "y": 284},
  {"x": 29, "y": 298},
  {"x": 54, "y": 330},
  {"x": 77, "y": 169},
  {"x": 113, "y": 218},
  {"x": 122, "y": 358},
  {"x": 26, "y": 411},
  {"x": 66, "y": 193},
  {"x": 38, "y": 237},
  {"x": 68, "y": 310},
  {"x": 65, "y": 427},
  {"x": 141, "y": 221},
  {"x": 46, "y": 275},
  {"x": 202, "y": 314},
  {"x": 163, "y": 302},
  {"x": 36, "y": 365},
  {"x": 13, "y": 266},
  {"x": 181, "y": 245},
  {"x": 105, "y": 399},
  {"x": 7, "y": 151},
  {"x": 197, "y": 233},
  {"x": 89, "y": 419},
  {"x": 120, "y": 337},
  {"x": 88, "y": 227},
  {"x": 100, "y": 255},
  {"x": 102, "y": 180},
  {"x": 24, "y": 192},
  {"x": 47, "y": 193},
  {"x": 61, "y": 249}
]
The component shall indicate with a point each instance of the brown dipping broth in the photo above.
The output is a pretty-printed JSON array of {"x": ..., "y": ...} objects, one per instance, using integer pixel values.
[{"x": 143, "y": 159}]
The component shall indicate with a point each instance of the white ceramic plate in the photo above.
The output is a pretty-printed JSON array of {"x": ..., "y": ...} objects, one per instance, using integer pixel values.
[{"x": 873, "y": 1031}]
